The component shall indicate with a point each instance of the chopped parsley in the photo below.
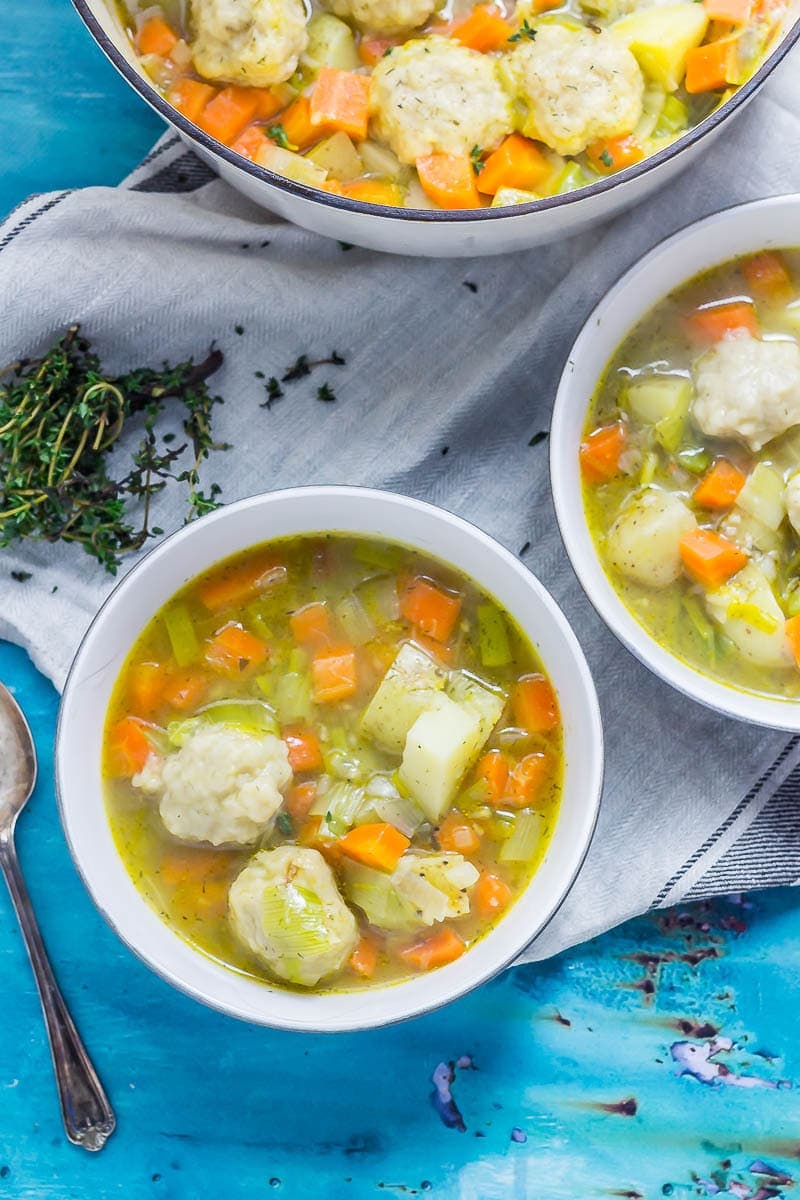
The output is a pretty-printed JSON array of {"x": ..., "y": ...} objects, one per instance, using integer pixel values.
[
  {"x": 284, "y": 824},
  {"x": 278, "y": 135},
  {"x": 606, "y": 159},
  {"x": 274, "y": 393},
  {"x": 326, "y": 394},
  {"x": 476, "y": 158},
  {"x": 525, "y": 30}
]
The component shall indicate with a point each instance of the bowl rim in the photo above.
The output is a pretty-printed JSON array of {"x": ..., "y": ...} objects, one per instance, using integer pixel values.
[
  {"x": 211, "y": 146},
  {"x": 594, "y": 739},
  {"x": 728, "y": 700}
]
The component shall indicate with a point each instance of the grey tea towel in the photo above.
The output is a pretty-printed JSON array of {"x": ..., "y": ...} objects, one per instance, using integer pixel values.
[{"x": 451, "y": 367}]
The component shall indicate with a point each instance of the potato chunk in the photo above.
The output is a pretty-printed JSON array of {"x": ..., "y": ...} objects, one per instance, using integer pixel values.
[{"x": 644, "y": 541}]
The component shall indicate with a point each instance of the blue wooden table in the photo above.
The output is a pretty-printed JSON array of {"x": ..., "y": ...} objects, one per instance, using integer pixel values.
[{"x": 661, "y": 1060}]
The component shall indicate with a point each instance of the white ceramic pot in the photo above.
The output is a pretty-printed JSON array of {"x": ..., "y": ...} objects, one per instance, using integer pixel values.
[
  {"x": 192, "y": 550},
  {"x": 421, "y": 231},
  {"x": 745, "y": 229}
]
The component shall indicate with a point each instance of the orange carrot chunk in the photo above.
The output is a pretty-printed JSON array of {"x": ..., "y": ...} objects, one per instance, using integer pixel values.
[
  {"x": 296, "y": 124},
  {"x": 129, "y": 747},
  {"x": 372, "y": 49},
  {"x": 526, "y": 780},
  {"x": 364, "y": 958},
  {"x": 600, "y": 454},
  {"x": 334, "y": 674},
  {"x": 457, "y": 836},
  {"x": 300, "y": 800},
  {"x": 491, "y": 895},
  {"x": 720, "y": 486},
  {"x": 483, "y": 30},
  {"x": 449, "y": 180},
  {"x": 311, "y": 625},
  {"x": 493, "y": 768},
  {"x": 340, "y": 100},
  {"x": 793, "y": 636},
  {"x": 535, "y": 704},
  {"x": 710, "y": 559},
  {"x": 711, "y": 67},
  {"x": 156, "y": 37},
  {"x": 236, "y": 585},
  {"x": 729, "y": 12},
  {"x": 146, "y": 687},
  {"x": 250, "y": 143},
  {"x": 372, "y": 191},
  {"x": 190, "y": 97},
  {"x": 436, "y": 950},
  {"x": 433, "y": 611},
  {"x": 233, "y": 651},
  {"x": 380, "y": 845},
  {"x": 516, "y": 163},
  {"x": 715, "y": 321},
  {"x": 305, "y": 752},
  {"x": 768, "y": 276},
  {"x": 185, "y": 689},
  {"x": 228, "y": 113},
  {"x": 614, "y": 154},
  {"x": 444, "y": 654}
]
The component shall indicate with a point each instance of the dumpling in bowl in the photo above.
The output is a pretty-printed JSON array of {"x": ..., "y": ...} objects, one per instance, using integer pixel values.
[
  {"x": 252, "y": 42},
  {"x": 384, "y": 16},
  {"x": 286, "y": 909}
]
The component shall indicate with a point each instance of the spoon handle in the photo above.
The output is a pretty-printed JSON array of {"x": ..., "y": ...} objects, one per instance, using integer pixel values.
[{"x": 88, "y": 1117}]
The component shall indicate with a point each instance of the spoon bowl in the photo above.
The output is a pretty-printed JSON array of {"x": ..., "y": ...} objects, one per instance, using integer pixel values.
[{"x": 17, "y": 762}]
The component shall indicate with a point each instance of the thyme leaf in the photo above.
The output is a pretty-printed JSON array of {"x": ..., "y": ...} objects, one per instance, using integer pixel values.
[{"x": 525, "y": 30}]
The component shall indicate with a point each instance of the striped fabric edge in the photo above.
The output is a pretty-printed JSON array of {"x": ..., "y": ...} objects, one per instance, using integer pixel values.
[
  {"x": 169, "y": 168},
  {"x": 30, "y": 210},
  {"x": 727, "y": 835}
]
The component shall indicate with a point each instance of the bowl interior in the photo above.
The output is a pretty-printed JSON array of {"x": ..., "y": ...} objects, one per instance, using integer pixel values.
[
  {"x": 149, "y": 586},
  {"x": 765, "y": 224}
]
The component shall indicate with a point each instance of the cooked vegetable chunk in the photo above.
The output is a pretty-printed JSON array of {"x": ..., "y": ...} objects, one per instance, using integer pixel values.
[
  {"x": 256, "y": 42},
  {"x": 222, "y": 786},
  {"x": 287, "y": 910},
  {"x": 413, "y": 684},
  {"x": 422, "y": 890},
  {"x": 577, "y": 85},
  {"x": 748, "y": 389},
  {"x": 748, "y": 613},
  {"x": 644, "y": 541},
  {"x": 438, "y": 97},
  {"x": 661, "y": 37},
  {"x": 792, "y": 502},
  {"x": 384, "y": 16},
  {"x": 441, "y": 746}
]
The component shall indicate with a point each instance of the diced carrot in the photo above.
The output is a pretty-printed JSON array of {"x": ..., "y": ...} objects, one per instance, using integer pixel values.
[
  {"x": 436, "y": 950},
  {"x": 129, "y": 747},
  {"x": 456, "y": 835},
  {"x": 443, "y": 654},
  {"x": 710, "y": 67},
  {"x": 267, "y": 103},
  {"x": 311, "y": 625},
  {"x": 614, "y": 154},
  {"x": 235, "y": 585},
  {"x": 156, "y": 37},
  {"x": 710, "y": 559},
  {"x": 300, "y": 800},
  {"x": 233, "y": 651},
  {"x": 715, "y": 321},
  {"x": 309, "y": 835},
  {"x": 768, "y": 276},
  {"x": 295, "y": 122},
  {"x": 526, "y": 779},
  {"x": 729, "y": 12},
  {"x": 373, "y": 191},
  {"x": 210, "y": 899},
  {"x": 334, "y": 674},
  {"x": 516, "y": 163},
  {"x": 372, "y": 49},
  {"x": 449, "y": 180},
  {"x": 190, "y": 97},
  {"x": 600, "y": 454},
  {"x": 380, "y": 845},
  {"x": 228, "y": 113},
  {"x": 340, "y": 100},
  {"x": 364, "y": 958},
  {"x": 146, "y": 687},
  {"x": 793, "y": 636},
  {"x": 249, "y": 143},
  {"x": 540, "y": 6},
  {"x": 181, "y": 866},
  {"x": 491, "y": 895},
  {"x": 535, "y": 704},
  {"x": 720, "y": 486},
  {"x": 493, "y": 768},
  {"x": 185, "y": 689},
  {"x": 305, "y": 752},
  {"x": 431, "y": 610},
  {"x": 484, "y": 30}
]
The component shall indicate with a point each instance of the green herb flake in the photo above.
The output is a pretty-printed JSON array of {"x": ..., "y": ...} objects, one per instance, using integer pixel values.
[
  {"x": 326, "y": 394},
  {"x": 284, "y": 825},
  {"x": 278, "y": 135},
  {"x": 21, "y": 576},
  {"x": 476, "y": 158},
  {"x": 525, "y": 30},
  {"x": 606, "y": 159}
]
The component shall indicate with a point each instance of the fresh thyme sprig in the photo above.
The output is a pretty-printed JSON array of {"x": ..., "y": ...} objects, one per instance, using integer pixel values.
[{"x": 61, "y": 415}]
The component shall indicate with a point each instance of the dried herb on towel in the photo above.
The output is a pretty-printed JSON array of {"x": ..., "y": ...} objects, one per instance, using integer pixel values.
[{"x": 62, "y": 415}]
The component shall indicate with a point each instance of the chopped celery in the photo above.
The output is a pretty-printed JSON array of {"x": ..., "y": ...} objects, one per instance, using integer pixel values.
[
  {"x": 354, "y": 620},
  {"x": 762, "y": 496},
  {"x": 701, "y": 625},
  {"x": 674, "y": 117},
  {"x": 374, "y": 554},
  {"x": 792, "y": 600},
  {"x": 500, "y": 827},
  {"x": 291, "y": 696},
  {"x": 248, "y": 716},
  {"x": 474, "y": 798},
  {"x": 493, "y": 637},
  {"x": 525, "y": 839},
  {"x": 652, "y": 107},
  {"x": 648, "y": 469},
  {"x": 182, "y": 636},
  {"x": 379, "y": 598},
  {"x": 339, "y": 805},
  {"x": 298, "y": 661},
  {"x": 378, "y": 898},
  {"x": 570, "y": 179},
  {"x": 382, "y": 802},
  {"x": 343, "y": 764},
  {"x": 254, "y": 620},
  {"x": 762, "y": 621},
  {"x": 695, "y": 460}
]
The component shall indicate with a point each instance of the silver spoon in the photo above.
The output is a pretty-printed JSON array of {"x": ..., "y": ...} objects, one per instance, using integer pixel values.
[{"x": 88, "y": 1117}]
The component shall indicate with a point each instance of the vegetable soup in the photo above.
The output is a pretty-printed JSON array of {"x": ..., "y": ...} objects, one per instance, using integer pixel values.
[
  {"x": 413, "y": 104},
  {"x": 691, "y": 469},
  {"x": 332, "y": 762}
]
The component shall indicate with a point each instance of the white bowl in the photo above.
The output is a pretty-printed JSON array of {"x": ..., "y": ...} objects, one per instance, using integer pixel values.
[
  {"x": 745, "y": 229},
  {"x": 435, "y": 234},
  {"x": 192, "y": 550}
]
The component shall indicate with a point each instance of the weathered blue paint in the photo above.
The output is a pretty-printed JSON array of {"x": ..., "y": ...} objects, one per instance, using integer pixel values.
[{"x": 567, "y": 1076}]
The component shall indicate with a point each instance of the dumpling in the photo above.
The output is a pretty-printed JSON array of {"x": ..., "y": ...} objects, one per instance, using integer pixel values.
[
  {"x": 384, "y": 16},
  {"x": 748, "y": 389},
  {"x": 252, "y": 42}
]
